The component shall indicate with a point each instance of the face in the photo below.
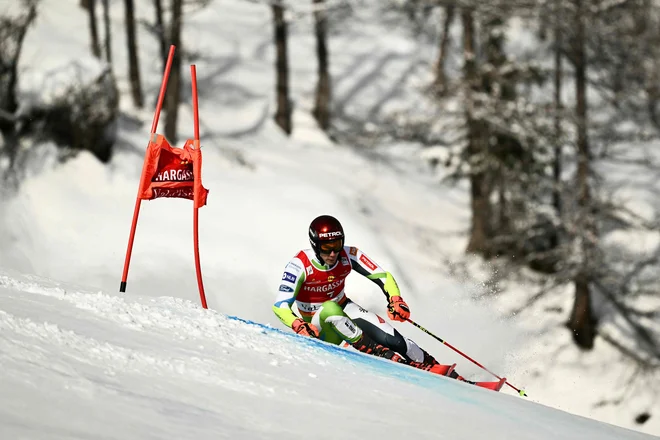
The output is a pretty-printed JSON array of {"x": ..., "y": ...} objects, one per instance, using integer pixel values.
[{"x": 330, "y": 251}]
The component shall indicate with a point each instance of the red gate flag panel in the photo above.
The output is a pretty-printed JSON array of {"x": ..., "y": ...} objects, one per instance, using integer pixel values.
[{"x": 172, "y": 172}]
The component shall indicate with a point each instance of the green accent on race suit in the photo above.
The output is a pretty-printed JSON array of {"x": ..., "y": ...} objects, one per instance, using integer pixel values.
[
  {"x": 285, "y": 315},
  {"x": 391, "y": 287},
  {"x": 318, "y": 265},
  {"x": 328, "y": 331}
]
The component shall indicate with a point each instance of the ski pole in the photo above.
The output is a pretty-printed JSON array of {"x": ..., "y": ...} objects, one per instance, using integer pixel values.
[{"x": 521, "y": 392}]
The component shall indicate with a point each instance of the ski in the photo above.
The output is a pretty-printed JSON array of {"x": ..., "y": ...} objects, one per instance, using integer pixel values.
[
  {"x": 439, "y": 369},
  {"x": 495, "y": 386},
  {"x": 447, "y": 369}
]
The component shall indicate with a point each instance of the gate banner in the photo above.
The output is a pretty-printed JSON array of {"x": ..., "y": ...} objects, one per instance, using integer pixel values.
[{"x": 172, "y": 172}]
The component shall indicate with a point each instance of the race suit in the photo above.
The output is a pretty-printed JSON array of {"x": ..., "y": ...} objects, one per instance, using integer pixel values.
[{"x": 318, "y": 292}]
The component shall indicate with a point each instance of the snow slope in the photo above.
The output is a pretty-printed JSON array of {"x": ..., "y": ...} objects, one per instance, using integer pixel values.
[{"x": 85, "y": 364}]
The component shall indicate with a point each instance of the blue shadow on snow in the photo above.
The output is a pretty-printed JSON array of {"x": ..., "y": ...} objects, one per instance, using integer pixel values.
[{"x": 426, "y": 380}]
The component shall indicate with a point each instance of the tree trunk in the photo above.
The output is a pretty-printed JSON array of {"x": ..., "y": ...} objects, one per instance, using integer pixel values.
[
  {"x": 557, "y": 162},
  {"x": 582, "y": 322},
  {"x": 93, "y": 32},
  {"x": 653, "y": 85},
  {"x": 283, "y": 111},
  {"x": 477, "y": 137},
  {"x": 323, "y": 94},
  {"x": 480, "y": 229},
  {"x": 133, "y": 62},
  {"x": 440, "y": 75},
  {"x": 108, "y": 31},
  {"x": 174, "y": 86},
  {"x": 160, "y": 29}
]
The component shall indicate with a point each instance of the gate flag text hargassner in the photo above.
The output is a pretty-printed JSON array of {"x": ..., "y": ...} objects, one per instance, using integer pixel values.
[{"x": 170, "y": 171}]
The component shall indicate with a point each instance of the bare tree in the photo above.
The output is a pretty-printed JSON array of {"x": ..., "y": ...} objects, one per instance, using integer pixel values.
[
  {"x": 283, "y": 111},
  {"x": 174, "y": 86},
  {"x": 582, "y": 321},
  {"x": 445, "y": 37},
  {"x": 108, "y": 31},
  {"x": 133, "y": 60},
  {"x": 12, "y": 34},
  {"x": 93, "y": 32},
  {"x": 160, "y": 30},
  {"x": 477, "y": 141},
  {"x": 558, "y": 81},
  {"x": 323, "y": 89}
]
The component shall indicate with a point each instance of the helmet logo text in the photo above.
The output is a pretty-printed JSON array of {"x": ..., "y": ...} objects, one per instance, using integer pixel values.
[{"x": 330, "y": 234}]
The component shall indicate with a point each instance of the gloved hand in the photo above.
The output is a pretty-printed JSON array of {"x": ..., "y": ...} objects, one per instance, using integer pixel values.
[
  {"x": 305, "y": 328},
  {"x": 397, "y": 309}
]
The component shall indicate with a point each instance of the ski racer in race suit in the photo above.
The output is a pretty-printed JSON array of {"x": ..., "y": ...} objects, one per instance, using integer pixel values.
[{"x": 314, "y": 279}]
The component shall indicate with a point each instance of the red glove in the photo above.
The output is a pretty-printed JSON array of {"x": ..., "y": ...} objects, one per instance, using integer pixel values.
[
  {"x": 305, "y": 328},
  {"x": 397, "y": 309}
]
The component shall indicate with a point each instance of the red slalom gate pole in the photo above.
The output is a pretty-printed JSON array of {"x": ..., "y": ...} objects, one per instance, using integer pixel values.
[
  {"x": 138, "y": 200},
  {"x": 521, "y": 392},
  {"x": 196, "y": 143}
]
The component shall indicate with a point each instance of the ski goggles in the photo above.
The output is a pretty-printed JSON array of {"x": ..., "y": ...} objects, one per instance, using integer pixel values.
[{"x": 330, "y": 246}]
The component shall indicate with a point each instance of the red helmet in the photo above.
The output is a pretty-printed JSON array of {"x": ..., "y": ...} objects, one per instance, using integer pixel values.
[{"x": 324, "y": 228}]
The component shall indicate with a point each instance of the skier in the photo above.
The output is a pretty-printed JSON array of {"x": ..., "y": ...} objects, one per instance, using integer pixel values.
[{"x": 314, "y": 280}]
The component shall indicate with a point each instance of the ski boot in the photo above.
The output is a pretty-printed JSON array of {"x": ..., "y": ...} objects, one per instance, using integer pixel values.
[{"x": 367, "y": 345}]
